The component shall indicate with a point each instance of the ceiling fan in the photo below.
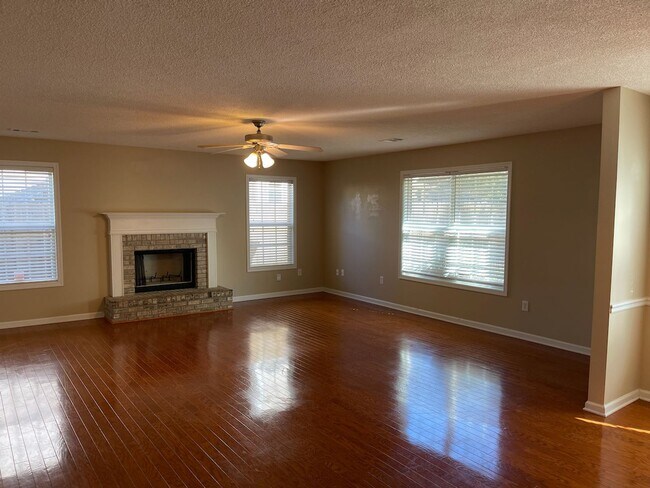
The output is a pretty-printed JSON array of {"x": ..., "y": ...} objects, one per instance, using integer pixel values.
[{"x": 263, "y": 147}]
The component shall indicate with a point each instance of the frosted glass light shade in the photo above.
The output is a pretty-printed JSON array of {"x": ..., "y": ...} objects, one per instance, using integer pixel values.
[
  {"x": 267, "y": 161},
  {"x": 251, "y": 160}
]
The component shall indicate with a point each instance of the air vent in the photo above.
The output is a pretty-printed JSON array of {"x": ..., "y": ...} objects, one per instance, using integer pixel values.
[{"x": 392, "y": 139}]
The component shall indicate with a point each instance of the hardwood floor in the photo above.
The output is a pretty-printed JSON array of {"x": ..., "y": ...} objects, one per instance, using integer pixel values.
[{"x": 304, "y": 391}]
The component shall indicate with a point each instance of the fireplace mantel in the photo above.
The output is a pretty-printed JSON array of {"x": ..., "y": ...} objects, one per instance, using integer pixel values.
[{"x": 132, "y": 223}]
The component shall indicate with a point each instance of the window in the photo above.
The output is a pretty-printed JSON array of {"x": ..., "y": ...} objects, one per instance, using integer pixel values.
[
  {"x": 271, "y": 229},
  {"x": 455, "y": 226},
  {"x": 30, "y": 249}
]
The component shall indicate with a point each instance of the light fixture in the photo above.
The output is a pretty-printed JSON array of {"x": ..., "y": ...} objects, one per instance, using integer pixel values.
[
  {"x": 252, "y": 160},
  {"x": 267, "y": 160},
  {"x": 259, "y": 159}
]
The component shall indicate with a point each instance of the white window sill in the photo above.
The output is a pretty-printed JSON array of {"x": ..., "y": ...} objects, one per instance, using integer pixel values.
[
  {"x": 30, "y": 285},
  {"x": 453, "y": 284},
  {"x": 272, "y": 268}
]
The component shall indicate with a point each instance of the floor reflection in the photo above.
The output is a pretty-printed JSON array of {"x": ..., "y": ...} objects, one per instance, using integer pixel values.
[
  {"x": 452, "y": 408},
  {"x": 31, "y": 444},
  {"x": 270, "y": 369}
]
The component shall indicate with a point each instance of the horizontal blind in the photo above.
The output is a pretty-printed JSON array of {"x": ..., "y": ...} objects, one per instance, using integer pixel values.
[
  {"x": 270, "y": 222},
  {"x": 454, "y": 227},
  {"x": 28, "y": 251}
]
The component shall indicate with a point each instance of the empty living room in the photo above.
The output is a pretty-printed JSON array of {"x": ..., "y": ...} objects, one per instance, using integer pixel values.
[{"x": 322, "y": 243}]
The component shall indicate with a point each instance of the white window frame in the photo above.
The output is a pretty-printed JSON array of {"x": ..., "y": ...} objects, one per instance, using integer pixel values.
[
  {"x": 54, "y": 167},
  {"x": 279, "y": 267},
  {"x": 476, "y": 168}
]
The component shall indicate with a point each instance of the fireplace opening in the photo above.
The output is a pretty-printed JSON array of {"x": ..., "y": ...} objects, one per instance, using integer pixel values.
[{"x": 165, "y": 269}]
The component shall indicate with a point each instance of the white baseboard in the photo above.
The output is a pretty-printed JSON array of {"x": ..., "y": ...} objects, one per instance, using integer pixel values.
[
  {"x": 276, "y": 294},
  {"x": 51, "y": 320},
  {"x": 467, "y": 323},
  {"x": 615, "y": 405},
  {"x": 98, "y": 315}
]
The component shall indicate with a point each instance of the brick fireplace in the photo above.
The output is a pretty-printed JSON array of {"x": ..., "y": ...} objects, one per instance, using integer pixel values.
[{"x": 163, "y": 264}]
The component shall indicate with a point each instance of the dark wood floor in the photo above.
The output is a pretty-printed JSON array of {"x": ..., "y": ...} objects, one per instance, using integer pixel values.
[{"x": 309, "y": 391}]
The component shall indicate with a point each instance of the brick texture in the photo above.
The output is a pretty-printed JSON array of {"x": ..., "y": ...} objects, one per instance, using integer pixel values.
[{"x": 140, "y": 306}]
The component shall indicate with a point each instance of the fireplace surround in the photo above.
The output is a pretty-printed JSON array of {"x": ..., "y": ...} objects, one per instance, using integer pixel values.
[{"x": 163, "y": 264}]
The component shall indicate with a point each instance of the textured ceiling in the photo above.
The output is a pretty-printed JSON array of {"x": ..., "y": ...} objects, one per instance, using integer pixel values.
[{"x": 339, "y": 74}]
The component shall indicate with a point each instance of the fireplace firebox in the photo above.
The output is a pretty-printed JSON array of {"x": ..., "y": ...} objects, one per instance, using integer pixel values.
[{"x": 165, "y": 269}]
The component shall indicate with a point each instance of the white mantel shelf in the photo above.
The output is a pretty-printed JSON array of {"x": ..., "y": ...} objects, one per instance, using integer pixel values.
[
  {"x": 161, "y": 222},
  {"x": 129, "y": 223}
]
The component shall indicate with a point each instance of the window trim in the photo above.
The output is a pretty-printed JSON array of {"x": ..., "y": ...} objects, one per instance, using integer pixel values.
[
  {"x": 54, "y": 167},
  {"x": 472, "y": 169},
  {"x": 278, "y": 267}
]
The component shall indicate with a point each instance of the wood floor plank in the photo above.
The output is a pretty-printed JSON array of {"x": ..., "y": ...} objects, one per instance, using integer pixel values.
[{"x": 314, "y": 390}]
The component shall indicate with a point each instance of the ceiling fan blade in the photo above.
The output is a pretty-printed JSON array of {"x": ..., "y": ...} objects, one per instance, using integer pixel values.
[
  {"x": 238, "y": 148},
  {"x": 274, "y": 151},
  {"x": 293, "y": 147},
  {"x": 212, "y": 146}
]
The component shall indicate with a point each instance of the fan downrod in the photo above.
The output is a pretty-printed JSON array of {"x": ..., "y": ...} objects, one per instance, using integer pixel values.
[{"x": 259, "y": 123}]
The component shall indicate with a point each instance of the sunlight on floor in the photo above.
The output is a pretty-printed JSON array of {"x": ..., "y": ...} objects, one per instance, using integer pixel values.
[{"x": 605, "y": 424}]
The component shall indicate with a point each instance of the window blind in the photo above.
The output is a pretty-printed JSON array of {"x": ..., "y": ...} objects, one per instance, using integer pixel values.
[
  {"x": 271, "y": 239},
  {"x": 454, "y": 226},
  {"x": 28, "y": 240}
]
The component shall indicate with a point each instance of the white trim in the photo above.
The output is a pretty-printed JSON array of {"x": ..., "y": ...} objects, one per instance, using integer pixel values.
[
  {"x": 131, "y": 223},
  {"x": 294, "y": 264},
  {"x": 468, "y": 169},
  {"x": 617, "y": 404},
  {"x": 644, "y": 395},
  {"x": 124, "y": 223},
  {"x": 58, "y": 226},
  {"x": 629, "y": 305},
  {"x": 277, "y": 294},
  {"x": 467, "y": 323},
  {"x": 595, "y": 408},
  {"x": 51, "y": 320}
]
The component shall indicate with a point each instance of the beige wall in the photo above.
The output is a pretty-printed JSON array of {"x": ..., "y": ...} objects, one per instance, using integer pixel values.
[
  {"x": 604, "y": 245},
  {"x": 630, "y": 250},
  {"x": 98, "y": 178},
  {"x": 552, "y": 232},
  {"x": 618, "y": 347}
]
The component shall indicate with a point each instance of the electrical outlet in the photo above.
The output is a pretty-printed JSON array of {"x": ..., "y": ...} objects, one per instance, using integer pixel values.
[
  {"x": 381, "y": 280},
  {"x": 299, "y": 272},
  {"x": 524, "y": 305},
  {"x": 278, "y": 277},
  {"x": 342, "y": 272},
  {"x": 337, "y": 272}
]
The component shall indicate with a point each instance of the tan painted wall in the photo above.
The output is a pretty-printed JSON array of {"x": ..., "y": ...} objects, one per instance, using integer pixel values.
[
  {"x": 98, "y": 178},
  {"x": 618, "y": 349},
  {"x": 552, "y": 233},
  {"x": 604, "y": 245},
  {"x": 630, "y": 251}
]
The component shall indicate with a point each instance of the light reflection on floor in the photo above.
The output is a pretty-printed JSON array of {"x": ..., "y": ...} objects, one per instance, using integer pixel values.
[
  {"x": 30, "y": 440},
  {"x": 270, "y": 390},
  {"x": 451, "y": 408}
]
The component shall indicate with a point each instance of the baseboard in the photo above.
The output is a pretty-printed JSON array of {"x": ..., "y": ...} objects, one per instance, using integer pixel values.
[
  {"x": 595, "y": 408},
  {"x": 99, "y": 315},
  {"x": 467, "y": 323},
  {"x": 644, "y": 395},
  {"x": 51, "y": 320},
  {"x": 276, "y": 294},
  {"x": 615, "y": 405}
]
